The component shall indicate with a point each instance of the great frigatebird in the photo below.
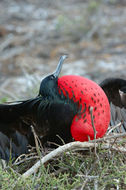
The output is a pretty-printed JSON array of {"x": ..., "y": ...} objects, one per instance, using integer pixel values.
[{"x": 61, "y": 108}]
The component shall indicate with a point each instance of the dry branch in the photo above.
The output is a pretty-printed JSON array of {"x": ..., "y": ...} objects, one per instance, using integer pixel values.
[
  {"x": 71, "y": 146},
  {"x": 114, "y": 127},
  {"x": 95, "y": 132},
  {"x": 55, "y": 153}
]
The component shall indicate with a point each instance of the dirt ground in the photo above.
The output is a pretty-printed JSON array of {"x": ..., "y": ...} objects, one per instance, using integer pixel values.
[{"x": 34, "y": 34}]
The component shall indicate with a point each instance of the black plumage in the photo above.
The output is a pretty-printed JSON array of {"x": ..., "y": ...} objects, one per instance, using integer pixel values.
[
  {"x": 115, "y": 89},
  {"x": 50, "y": 113}
]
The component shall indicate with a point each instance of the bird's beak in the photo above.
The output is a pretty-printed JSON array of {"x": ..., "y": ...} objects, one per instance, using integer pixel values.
[{"x": 59, "y": 66}]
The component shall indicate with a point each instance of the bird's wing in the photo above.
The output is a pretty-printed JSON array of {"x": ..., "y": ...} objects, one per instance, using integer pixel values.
[
  {"x": 13, "y": 146},
  {"x": 15, "y": 130},
  {"x": 111, "y": 87},
  {"x": 118, "y": 115},
  {"x": 49, "y": 118}
]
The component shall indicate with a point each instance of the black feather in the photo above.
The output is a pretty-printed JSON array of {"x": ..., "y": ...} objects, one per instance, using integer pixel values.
[
  {"x": 50, "y": 113},
  {"x": 112, "y": 88}
]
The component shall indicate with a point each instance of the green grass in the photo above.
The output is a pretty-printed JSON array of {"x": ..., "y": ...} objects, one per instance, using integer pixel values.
[{"x": 107, "y": 170}]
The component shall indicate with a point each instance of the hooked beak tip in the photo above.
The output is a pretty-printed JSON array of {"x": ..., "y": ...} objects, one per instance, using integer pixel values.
[{"x": 64, "y": 56}]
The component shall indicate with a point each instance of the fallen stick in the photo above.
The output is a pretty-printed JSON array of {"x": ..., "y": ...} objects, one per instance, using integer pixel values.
[
  {"x": 55, "y": 153},
  {"x": 109, "y": 137},
  {"x": 66, "y": 147},
  {"x": 119, "y": 149},
  {"x": 114, "y": 127}
]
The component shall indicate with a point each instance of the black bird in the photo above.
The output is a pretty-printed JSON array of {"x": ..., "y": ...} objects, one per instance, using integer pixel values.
[
  {"x": 115, "y": 89},
  {"x": 48, "y": 113},
  {"x": 61, "y": 109}
]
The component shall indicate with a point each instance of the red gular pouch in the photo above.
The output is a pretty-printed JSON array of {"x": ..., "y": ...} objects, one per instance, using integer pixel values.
[{"x": 88, "y": 94}]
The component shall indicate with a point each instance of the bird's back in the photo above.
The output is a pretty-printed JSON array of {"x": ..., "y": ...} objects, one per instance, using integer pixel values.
[{"x": 111, "y": 87}]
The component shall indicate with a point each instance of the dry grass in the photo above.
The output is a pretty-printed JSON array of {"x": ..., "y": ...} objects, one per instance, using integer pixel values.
[{"x": 75, "y": 168}]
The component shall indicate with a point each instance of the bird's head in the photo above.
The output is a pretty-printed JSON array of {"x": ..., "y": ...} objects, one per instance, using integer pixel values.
[{"x": 49, "y": 84}]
